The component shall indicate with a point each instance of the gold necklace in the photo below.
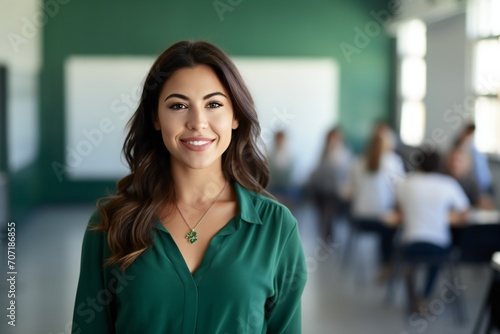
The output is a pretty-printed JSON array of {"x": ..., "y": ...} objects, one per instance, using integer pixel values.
[{"x": 192, "y": 235}]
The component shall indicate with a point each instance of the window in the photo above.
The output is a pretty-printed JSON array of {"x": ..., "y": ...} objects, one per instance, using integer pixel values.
[
  {"x": 411, "y": 43},
  {"x": 483, "y": 28},
  {"x": 412, "y": 122}
]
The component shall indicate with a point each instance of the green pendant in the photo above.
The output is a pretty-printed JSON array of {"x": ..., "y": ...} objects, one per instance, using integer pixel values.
[{"x": 192, "y": 236}]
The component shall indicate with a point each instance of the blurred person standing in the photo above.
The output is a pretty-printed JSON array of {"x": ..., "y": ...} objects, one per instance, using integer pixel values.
[
  {"x": 373, "y": 203},
  {"x": 330, "y": 182},
  {"x": 280, "y": 164},
  {"x": 429, "y": 203}
]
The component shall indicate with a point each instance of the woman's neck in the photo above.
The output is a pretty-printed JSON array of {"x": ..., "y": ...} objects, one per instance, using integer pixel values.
[{"x": 194, "y": 186}]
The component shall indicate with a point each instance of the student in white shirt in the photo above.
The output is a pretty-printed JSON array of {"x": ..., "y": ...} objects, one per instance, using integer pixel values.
[
  {"x": 429, "y": 203},
  {"x": 375, "y": 176}
]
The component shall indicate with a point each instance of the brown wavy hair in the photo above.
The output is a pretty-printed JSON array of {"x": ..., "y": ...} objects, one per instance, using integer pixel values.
[
  {"x": 374, "y": 152},
  {"x": 128, "y": 216}
]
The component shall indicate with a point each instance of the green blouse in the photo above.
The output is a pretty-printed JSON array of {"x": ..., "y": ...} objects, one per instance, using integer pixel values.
[{"x": 250, "y": 280}]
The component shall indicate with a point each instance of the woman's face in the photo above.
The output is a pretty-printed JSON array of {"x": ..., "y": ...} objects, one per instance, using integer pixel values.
[{"x": 195, "y": 117}]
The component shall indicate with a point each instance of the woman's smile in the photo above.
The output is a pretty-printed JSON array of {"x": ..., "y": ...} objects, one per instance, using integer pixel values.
[{"x": 197, "y": 143}]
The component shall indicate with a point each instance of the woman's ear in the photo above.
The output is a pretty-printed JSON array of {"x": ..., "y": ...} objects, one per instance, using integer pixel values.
[
  {"x": 156, "y": 123},
  {"x": 235, "y": 124}
]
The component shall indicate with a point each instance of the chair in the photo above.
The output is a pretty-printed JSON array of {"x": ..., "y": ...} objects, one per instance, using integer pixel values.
[
  {"x": 358, "y": 227},
  {"x": 446, "y": 261}
]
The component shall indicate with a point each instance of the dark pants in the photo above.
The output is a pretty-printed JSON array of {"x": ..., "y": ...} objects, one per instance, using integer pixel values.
[
  {"x": 424, "y": 253},
  {"x": 385, "y": 233},
  {"x": 326, "y": 205}
]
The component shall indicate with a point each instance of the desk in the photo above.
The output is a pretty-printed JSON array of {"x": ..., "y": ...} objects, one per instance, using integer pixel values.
[
  {"x": 479, "y": 235},
  {"x": 480, "y": 217},
  {"x": 479, "y": 239}
]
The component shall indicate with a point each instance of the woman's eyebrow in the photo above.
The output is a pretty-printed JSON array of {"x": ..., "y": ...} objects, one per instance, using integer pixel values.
[
  {"x": 206, "y": 97},
  {"x": 184, "y": 97},
  {"x": 180, "y": 96}
]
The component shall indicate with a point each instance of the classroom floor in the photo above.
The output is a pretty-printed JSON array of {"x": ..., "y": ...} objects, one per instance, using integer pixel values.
[{"x": 340, "y": 298}]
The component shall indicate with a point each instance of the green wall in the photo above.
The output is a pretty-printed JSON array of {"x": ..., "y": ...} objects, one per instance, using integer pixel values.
[{"x": 249, "y": 28}]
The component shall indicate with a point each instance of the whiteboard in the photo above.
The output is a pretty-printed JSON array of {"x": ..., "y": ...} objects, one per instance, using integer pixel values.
[
  {"x": 101, "y": 95},
  {"x": 298, "y": 96},
  {"x": 295, "y": 95}
]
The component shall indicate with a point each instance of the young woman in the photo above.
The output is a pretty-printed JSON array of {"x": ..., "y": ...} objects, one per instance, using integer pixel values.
[
  {"x": 190, "y": 243},
  {"x": 374, "y": 202}
]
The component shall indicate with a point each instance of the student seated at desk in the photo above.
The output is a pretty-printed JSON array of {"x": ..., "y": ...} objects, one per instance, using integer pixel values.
[
  {"x": 280, "y": 167},
  {"x": 429, "y": 203},
  {"x": 374, "y": 202},
  {"x": 459, "y": 165},
  {"x": 329, "y": 182}
]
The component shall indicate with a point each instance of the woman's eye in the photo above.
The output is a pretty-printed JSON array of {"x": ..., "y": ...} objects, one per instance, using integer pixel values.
[
  {"x": 214, "y": 105},
  {"x": 178, "y": 106}
]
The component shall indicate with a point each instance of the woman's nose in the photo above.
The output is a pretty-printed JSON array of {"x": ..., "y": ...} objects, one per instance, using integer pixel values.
[{"x": 196, "y": 119}]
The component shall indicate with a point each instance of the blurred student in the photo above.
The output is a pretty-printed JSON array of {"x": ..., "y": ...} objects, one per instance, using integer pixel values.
[
  {"x": 280, "y": 165},
  {"x": 429, "y": 203},
  {"x": 330, "y": 182},
  {"x": 458, "y": 165},
  {"x": 373, "y": 204},
  {"x": 474, "y": 175},
  {"x": 480, "y": 166}
]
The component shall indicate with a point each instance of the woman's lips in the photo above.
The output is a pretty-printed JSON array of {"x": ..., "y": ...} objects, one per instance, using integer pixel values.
[{"x": 197, "y": 144}]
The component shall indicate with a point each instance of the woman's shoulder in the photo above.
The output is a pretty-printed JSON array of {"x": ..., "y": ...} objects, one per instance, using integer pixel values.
[
  {"x": 270, "y": 210},
  {"x": 94, "y": 221},
  {"x": 264, "y": 200}
]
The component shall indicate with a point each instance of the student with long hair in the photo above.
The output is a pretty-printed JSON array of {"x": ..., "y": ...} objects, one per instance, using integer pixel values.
[
  {"x": 191, "y": 242},
  {"x": 374, "y": 201}
]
